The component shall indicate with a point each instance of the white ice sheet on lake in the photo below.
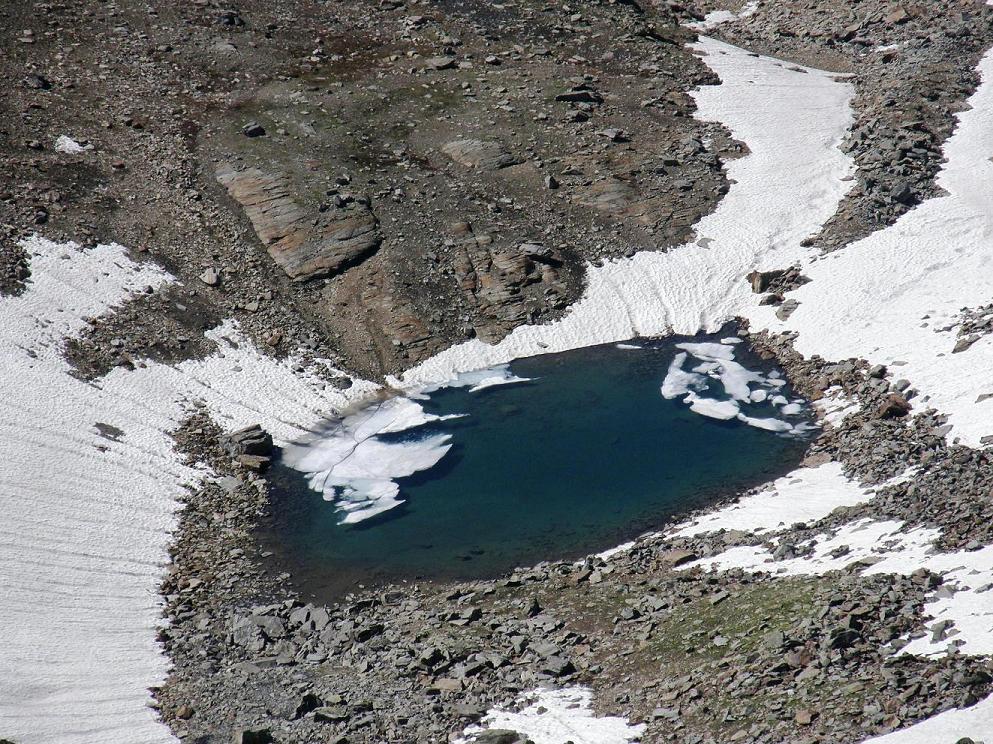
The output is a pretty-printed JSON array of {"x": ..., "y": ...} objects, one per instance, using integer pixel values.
[
  {"x": 353, "y": 467},
  {"x": 742, "y": 387},
  {"x": 356, "y": 469}
]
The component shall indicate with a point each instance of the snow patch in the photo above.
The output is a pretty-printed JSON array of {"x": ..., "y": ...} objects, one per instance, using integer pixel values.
[
  {"x": 896, "y": 295},
  {"x": 805, "y": 495},
  {"x": 554, "y": 716},
  {"x": 475, "y": 380},
  {"x": 68, "y": 146},
  {"x": 717, "y": 17},
  {"x": 883, "y": 543}
]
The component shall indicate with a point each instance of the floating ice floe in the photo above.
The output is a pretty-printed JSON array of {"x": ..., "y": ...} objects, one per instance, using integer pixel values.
[
  {"x": 555, "y": 716},
  {"x": 744, "y": 388},
  {"x": 355, "y": 465},
  {"x": 475, "y": 380},
  {"x": 356, "y": 469}
]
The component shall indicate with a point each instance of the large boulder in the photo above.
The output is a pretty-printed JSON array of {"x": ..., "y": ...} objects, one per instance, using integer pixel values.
[{"x": 305, "y": 243}]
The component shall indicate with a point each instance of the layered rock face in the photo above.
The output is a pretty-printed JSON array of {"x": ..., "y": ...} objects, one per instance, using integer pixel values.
[{"x": 305, "y": 245}]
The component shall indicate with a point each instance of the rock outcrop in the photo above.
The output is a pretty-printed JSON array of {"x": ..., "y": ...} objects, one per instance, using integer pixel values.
[
  {"x": 305, "y": 244},
  {"x": 504, "y": 284}
]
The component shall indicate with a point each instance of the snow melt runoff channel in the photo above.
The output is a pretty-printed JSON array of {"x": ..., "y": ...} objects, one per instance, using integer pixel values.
[{"x": 85, "y": 538}]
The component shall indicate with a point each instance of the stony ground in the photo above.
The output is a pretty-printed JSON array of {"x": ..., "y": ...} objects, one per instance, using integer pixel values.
[
  {"x": 371, "y": 181},
  {"x": 699, "y": 657},
  {"x": 376, "y": 181}
]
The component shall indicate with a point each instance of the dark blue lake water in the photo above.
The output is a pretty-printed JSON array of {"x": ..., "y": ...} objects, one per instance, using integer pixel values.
[{"x": 584, "y": 456}]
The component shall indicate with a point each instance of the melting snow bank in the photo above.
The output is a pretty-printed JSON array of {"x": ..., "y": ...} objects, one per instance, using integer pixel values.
[
  {"x": 896, "y": 297},
  {"x": 87, "y": 519},
  {"x": 718, "y": 363},
  {"x": 805, "y": 495},
  {"x": 550, "y": 716}
]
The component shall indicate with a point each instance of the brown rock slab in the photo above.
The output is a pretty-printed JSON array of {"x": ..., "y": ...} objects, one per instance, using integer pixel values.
[
  {"x": 486, "y": 155},
  {"x": 305, "y": 244}
]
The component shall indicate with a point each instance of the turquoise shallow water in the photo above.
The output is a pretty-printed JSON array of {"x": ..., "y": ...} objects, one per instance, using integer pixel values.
[{"x": 584, "y": 456}]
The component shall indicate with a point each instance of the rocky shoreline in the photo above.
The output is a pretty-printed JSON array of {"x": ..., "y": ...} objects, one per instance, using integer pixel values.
[{"x": 706, "y": 656}]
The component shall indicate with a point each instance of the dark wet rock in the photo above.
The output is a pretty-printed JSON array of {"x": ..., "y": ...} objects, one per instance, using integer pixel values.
[
  {"x": 253, "y": 129},
  {"x": 250, "y": 440},
  {"x": 893, "y": 405},
  {"x": 500, "y": 736}
]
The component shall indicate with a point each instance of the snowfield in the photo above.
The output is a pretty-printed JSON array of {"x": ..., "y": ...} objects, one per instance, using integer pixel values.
[{"x": 87, "y": 519}]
